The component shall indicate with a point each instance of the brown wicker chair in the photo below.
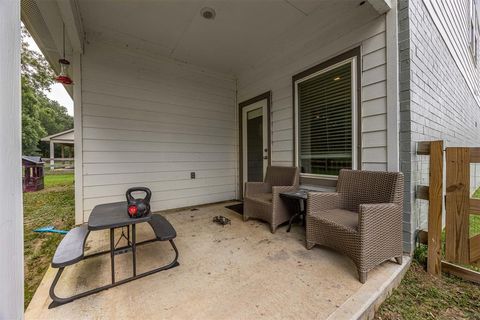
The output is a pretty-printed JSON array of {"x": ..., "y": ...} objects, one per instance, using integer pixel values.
[
  {"x": 363, "y": 219},
  {"x": 262, "y": 200}
]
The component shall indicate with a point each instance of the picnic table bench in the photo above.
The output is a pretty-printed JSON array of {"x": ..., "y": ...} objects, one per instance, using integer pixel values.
[{"x": 109, "y": 216}]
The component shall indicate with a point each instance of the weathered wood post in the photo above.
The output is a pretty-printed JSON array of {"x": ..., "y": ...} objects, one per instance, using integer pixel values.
[
  {"x": 11, "y": 216},
  {"x": 433, "y": 193}
]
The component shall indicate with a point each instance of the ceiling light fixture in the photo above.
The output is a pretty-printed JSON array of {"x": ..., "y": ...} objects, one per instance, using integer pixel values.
[{"x": 208, "y": 13}]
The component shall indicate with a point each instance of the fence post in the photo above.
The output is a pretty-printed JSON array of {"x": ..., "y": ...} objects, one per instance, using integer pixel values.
[
  {"x": 435, "y": 192},
  {"x": 457, "y": 205}
]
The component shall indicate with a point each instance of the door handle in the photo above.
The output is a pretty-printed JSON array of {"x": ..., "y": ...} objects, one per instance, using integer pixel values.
[{"x": 265, "y": 157}]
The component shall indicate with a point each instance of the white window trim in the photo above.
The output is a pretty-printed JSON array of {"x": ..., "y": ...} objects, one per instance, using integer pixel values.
[{"x": 353, "y": 61}]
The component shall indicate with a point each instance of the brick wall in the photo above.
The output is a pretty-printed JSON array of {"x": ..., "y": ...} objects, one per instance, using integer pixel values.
[{"x": 435, "y": 103}]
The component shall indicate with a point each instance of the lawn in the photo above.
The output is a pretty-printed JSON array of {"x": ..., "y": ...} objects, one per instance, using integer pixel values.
[
  {"x": 422, "y": 296},
  {"x": 52, "y": 206}
]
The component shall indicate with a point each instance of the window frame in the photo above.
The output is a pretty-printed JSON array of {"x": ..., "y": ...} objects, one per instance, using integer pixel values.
[{"x": 353, "y": 57}]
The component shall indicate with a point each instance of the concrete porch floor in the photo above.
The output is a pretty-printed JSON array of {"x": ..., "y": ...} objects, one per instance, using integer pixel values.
[{"x": 240, "y": 271}]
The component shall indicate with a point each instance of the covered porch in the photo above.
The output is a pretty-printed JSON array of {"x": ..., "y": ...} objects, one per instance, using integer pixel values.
[
  {"x": 158, "y": 89},
  {"x": 238, "y": 271}
]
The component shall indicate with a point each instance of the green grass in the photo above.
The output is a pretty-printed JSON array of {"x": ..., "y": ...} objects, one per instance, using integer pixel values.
[
  {"x": 52, "y": 206},
  {"x": 62, "y": 179},
  {"x": 422, "y": 296}
]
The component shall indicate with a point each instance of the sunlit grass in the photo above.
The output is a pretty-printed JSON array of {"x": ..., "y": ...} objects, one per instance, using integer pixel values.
[{"x": 52, "y": 206}]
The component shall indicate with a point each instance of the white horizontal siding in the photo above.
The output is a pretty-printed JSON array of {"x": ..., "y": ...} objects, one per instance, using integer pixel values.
[
  {"x": 150, "y": 122},
  {"x": 452, "y": 19},
  {"x": 276, "y": 75}
]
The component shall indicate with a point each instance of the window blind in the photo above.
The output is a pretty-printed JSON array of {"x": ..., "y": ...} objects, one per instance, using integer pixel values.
[{"x": 325, "y": 121}]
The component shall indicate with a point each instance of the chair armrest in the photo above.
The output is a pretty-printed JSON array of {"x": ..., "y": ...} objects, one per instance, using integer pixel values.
[
  {"x": 252, "y": 188},
  {"x": 279, "y": 189},
  {"x": 379, "y": 216},
  {"x": 318, "y": 201}
]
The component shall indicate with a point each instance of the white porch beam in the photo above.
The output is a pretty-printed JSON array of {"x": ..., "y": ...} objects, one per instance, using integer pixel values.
[
  {"x": 381, "y": 6},
  {"x": 52, "y": 155},
  {"x": 73, "y": 23},
  {"x": 54, "y": 23},
  {"x": 11, "y": 215},
  {"x": 78, "y": 147},
  {"x": 393, "y": 101}
]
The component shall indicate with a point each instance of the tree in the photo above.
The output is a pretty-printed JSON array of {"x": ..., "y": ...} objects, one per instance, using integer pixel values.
[{"x": 40, "y": 115}]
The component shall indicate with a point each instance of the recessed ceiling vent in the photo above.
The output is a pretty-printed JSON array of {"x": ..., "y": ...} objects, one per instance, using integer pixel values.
[{"x": 208, "y": 13}]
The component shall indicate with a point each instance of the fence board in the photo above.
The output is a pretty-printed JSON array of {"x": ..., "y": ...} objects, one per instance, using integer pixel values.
[
  {"x": 475, "y": 248},
  {"x": 474, "y": 206},
  {"x": 474, "y": 155},
  {"x": 457, "y": 204},
  {"x": 422, "y": 192},
  {"x": 423, "y": 148},
  {"x": 461, "y": 272}
]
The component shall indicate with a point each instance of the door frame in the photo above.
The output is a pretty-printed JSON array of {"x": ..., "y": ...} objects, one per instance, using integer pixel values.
[{"x": 264, "y": 96}]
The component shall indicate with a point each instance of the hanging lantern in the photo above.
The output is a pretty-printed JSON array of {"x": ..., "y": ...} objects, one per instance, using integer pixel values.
[{"x": 63, "y": 77}]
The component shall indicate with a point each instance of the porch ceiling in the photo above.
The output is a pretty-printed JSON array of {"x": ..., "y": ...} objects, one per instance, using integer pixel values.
[{"x": 240, "y": 36}]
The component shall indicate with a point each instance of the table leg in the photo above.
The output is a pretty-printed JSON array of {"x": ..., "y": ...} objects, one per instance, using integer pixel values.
[
  {"x": 134, "y": 250},
  {"x": 298, "y": 212},
  {"x": 112, "y": 253}
]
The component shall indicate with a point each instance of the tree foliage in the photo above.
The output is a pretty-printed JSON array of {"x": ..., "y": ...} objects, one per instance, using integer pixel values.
[{"x": 40, "y": 115}]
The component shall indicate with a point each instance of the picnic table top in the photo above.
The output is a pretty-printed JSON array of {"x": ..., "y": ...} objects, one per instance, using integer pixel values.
[{"x": 112, "y": 215}]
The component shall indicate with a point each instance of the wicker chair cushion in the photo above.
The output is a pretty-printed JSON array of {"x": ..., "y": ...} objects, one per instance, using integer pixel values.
[
  {"x": 340, "y": 217},
  {"x": 262, "y": 197}
]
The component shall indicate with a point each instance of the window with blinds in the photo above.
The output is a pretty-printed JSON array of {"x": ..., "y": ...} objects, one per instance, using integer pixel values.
[{"x": 325, "y": 111}]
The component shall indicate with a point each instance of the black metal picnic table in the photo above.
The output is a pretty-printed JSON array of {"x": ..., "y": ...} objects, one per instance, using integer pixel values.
[{"x": 109, "y": 217}]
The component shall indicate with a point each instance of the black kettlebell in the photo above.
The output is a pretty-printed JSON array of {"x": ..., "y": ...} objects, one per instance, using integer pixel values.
[{"x": 140, "y": 207}]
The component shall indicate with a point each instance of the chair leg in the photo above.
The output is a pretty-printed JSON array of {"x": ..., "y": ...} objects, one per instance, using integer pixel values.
[
  {"x": 309, "y": 245},
  {"x": 399, "y": 260},
  {"x": 273, "y": 228},
  {"x": 362, "y": 276}
]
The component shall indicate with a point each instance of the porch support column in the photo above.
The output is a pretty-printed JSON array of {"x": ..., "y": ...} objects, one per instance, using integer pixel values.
[
  {"x": 78, "y": 147},
  {"x": 393, "y": 101},
  {"x": 11, "y": 216},
  {"x": 52, "y": 154}
]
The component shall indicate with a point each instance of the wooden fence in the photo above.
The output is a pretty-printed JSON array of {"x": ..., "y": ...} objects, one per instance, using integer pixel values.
[
  {"x": 460, "y": 246},
  {"x": 59, "y": 163}
]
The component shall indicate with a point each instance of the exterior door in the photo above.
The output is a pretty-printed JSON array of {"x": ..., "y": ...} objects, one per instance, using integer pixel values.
[{"x": 255, "y": 141}]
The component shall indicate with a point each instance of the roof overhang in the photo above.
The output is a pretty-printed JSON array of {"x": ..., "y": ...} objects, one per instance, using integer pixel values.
[
  {"x": 44, "y": 19},
  {"x": 66, "y": 136}
]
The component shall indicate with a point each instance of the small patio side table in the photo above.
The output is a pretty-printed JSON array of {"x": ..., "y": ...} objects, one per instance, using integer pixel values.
[{"x": 299, "y": 199}]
